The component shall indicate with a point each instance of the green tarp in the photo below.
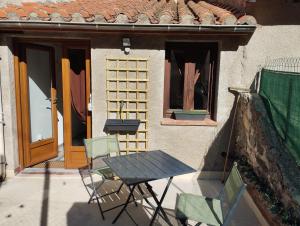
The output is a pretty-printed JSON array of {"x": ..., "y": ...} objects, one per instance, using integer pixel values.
[{"x": 281, "y": 94}]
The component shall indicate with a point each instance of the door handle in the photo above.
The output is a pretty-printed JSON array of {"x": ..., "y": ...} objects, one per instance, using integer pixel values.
[{"x": 56, "y": 101}]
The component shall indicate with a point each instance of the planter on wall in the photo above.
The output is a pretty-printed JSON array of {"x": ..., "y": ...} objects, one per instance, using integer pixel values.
[
  {"x": 190, "y": 115},
  {"x": 121, "y": 125}
]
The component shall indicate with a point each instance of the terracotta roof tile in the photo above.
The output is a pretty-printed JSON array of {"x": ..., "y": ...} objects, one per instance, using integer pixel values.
[
  {"x": 224, "y": 16},
  {"x": 132, "y": 11},
  {"x": 153, "y": 12},
  {"x": 18, "y": 11},
  {"x": 237, "y": 12},
  {"x": 3, "y": 14},
  {"x": 185, "y": 16},
  {"x": 169, "y": 13},
  {"x": 247, "y": 19},
  {"x": 205, "y": 15},
  {"x": 237, "y": 4},
  {"x": 47, "y": 9},
  {"x": 64, "y": 13}
]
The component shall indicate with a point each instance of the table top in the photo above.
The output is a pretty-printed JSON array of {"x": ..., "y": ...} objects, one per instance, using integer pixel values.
[{"x": 146, "y": 166}]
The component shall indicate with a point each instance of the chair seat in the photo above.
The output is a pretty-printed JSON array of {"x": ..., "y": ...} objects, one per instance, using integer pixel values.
[
  {"x": 104, "y": 171},
  {"x": 199, "y": 208}
]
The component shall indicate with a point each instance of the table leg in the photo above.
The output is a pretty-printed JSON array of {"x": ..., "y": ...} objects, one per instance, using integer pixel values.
[
  {"x": 126, "y": 203},
  {"x": 149, "y": 203},
  {"x": 159, "y": 202}
]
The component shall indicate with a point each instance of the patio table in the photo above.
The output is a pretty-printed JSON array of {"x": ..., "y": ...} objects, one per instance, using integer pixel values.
[{"x": 141, "y": 168}]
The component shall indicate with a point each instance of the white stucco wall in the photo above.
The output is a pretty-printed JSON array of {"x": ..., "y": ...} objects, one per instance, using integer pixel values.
[
  {"x": 9, "y": 105},
  {"x": 199, "y": 146},
  {"x": 269, "y": 41},
  {"x": 188, "y": 143}
]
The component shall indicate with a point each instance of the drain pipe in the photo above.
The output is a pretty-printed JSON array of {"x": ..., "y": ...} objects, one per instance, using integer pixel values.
[{"x": 3, "y": 162}]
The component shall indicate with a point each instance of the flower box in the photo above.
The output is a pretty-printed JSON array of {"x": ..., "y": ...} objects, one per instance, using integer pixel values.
[
  {"x": 121, "y": 125},
  {"x": 190, "y": 115}
]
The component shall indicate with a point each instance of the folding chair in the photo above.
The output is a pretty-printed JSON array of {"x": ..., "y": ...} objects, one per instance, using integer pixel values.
[
  {"x": 211, "y": 211},
  {"x": 97, "y": 172}
]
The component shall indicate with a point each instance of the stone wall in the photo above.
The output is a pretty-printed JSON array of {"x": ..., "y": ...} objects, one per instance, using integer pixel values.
[{"x": 257, "y": 140}]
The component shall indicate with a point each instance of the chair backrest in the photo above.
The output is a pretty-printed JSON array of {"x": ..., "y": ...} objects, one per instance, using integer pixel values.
[
  {"x": 232, "y": 192},
  {"x": 101, "y": 146}
]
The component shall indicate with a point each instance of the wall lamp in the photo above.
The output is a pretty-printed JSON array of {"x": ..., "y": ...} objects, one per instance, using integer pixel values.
[{"x": 126, "y": 45}]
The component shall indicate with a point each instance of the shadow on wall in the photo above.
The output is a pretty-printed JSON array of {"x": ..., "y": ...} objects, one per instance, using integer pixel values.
[
  {"x": 2, "y": 169},
  {"x": 215, "y": 157},
  {"x": 275, "y": 12}
]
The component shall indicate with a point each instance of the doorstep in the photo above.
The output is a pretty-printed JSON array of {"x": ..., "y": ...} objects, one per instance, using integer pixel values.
[{"x": 52, "y": 171}]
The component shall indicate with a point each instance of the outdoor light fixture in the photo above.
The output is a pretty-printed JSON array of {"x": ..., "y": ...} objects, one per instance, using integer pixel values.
[{"x": 126, "y": 45}]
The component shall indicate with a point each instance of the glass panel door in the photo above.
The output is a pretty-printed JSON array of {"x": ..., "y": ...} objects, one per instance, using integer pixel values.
[
  {"x": 38, "y": 103},
  {"x": 39, "y": 82}
]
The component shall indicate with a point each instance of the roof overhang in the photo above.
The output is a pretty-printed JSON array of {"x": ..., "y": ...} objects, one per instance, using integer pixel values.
[{"x": 11, "y": 26}]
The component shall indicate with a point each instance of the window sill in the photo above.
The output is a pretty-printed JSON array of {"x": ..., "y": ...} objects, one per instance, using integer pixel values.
[{"x": 173, "y": 122}]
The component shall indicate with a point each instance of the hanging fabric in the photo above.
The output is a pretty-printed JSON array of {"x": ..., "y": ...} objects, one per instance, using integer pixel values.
[{"x": 77, "y": 83}]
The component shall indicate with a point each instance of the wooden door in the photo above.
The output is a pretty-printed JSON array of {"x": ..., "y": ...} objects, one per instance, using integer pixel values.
[
  {"x": 38, "y": 103},
  {"x": 74, "y": 150}
]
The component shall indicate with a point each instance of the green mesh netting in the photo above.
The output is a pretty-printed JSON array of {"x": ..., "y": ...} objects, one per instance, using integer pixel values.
[{"x": 281, "y": 94}]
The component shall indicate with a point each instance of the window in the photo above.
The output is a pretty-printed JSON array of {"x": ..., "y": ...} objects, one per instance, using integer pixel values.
[{"x": 190, "y": 77}]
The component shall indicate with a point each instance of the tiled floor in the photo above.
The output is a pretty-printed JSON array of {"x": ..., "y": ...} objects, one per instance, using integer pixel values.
[{"x": 48, "y": 200}]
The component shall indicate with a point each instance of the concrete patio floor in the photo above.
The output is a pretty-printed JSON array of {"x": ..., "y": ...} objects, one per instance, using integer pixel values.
[{"x": 48, "y": 200}]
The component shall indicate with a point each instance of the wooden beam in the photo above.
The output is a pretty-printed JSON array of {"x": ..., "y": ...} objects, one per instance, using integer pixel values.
[{"x": 188, "y": 93}]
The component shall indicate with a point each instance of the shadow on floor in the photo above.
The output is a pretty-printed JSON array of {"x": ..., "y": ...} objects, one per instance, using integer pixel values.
[
  {"x": 45, "y": 200},
  {"x": 89, "y": 214}
]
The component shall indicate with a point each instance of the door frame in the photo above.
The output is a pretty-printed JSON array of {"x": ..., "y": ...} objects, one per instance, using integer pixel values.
[
  {"x": 24, "y": 105},
  {"x": 16, "y": 60},
  {"x": 69, "y": 149}
]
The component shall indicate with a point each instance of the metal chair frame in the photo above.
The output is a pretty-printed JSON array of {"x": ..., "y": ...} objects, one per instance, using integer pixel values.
[
  {"x": 95, "y": 194},
  {"x": 221, "y": 197}
]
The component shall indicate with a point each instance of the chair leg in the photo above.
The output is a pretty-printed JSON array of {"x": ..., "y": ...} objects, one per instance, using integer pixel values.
[
  {"x": 119, "y": 189},
  {"x": 100, "y": 208},
  {"x": 134, "y": 199},
  {"x": 183, "y": 221},
  {"x": 91, "y": 197},
  {"x": 85, "y": 186}
]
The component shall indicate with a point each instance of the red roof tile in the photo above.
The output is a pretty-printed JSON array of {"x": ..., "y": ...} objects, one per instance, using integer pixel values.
[
  {"x": 3, "y": 14},
  {"x": 132, "y": 11}
]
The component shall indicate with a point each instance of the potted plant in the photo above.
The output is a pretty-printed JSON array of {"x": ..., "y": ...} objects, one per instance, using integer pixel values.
[{"x": 190, "y": 114}]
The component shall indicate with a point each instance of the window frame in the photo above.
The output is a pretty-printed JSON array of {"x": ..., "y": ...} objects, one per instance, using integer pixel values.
[{"x": 187, "y": 102}]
